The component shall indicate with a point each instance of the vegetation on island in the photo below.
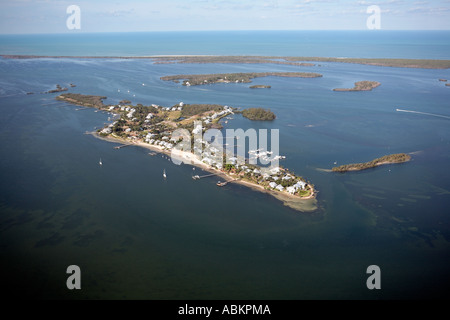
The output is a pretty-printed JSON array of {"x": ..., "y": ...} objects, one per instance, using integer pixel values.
[
  {"x": 58, "y": 89},
  {"x": 202, "y": 79},
  {"x": 189, "y": 110},
  {"x": 229, "y": 60},
  {"x": 362, "y": 86},
  {"x": 389, "y": 159},
  {"x": 258, "y": 114},
  {"x": 260, "y": 86},
  {"x": 398, "y": 63},
  {"x": 82, "y": 100}
]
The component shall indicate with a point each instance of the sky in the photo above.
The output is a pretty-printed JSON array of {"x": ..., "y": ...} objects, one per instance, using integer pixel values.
[{"x": 50, "y": 16}]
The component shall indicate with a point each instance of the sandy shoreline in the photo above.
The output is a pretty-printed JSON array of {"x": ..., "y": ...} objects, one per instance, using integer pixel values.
[{"x": 307, "y": 204}]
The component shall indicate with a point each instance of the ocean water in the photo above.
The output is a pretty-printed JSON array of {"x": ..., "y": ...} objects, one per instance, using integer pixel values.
[
  {"x": 356, "y": 44},
  {"x": 138, "y": 236}
]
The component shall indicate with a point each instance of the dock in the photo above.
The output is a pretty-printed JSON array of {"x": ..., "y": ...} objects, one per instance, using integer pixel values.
[
  {"x": 219, "y": 183},
  {"x": 223, "y": 184},
  {"x": 122, "y": 146},
  {"x": 197, "y": 177}
]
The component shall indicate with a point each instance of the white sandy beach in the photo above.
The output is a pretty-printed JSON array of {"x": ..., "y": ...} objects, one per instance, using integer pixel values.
[{"x": 306, "y": 204}]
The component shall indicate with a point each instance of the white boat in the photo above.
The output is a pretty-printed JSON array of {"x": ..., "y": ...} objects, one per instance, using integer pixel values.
[
  {"x": 100, "y": 162},
  {"x": 164, "y": 174}
]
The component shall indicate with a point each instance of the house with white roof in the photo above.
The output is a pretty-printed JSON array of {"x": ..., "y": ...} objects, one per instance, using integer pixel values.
[
  {"x": 291, "y": 190},
  {"x": 280, "y": 187},
  {"x": 300, "y": 185},
  {"x": 273, "y": 185}
]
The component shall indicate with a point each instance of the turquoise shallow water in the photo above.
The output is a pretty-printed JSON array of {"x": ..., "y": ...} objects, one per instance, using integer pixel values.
[
  {"x": 357, "y": 44},
  {"x": 135, "y": 235}
]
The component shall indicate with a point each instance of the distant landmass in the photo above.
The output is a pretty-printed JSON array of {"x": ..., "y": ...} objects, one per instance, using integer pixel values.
[{"x": 296, "y": 61}]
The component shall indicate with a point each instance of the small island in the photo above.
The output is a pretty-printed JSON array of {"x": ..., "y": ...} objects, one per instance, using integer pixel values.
[
  {"x": 389, "y": 159},
  {"x": 260, "y": 86},
  {"x": 202, "y": 79},
  {"x": 361, "y": 86},
  {"x": 82, "y": 100},
  {"x": 258, "y": 114},
  {"x": 58, "y": 89}
]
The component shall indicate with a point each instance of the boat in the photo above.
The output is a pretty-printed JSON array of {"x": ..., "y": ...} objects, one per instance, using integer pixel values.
[
  {"x": 100, "y": 162},
  {"x": 197, "y": 177},
  {"x": 164, "y": 174}
]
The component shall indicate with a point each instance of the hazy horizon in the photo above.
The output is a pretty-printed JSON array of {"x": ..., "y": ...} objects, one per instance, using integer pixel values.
[{"x": 37, "y": 17}]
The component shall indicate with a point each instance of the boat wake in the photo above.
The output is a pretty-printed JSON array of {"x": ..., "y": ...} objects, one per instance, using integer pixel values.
[{"x": 424, "y": 113}]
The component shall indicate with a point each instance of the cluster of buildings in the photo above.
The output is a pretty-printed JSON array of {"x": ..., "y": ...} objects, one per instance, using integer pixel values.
[
  {"x": 299, "y": 185},
  {"x": 217, "y": 115},
  {"x": 275, "y": 175}
]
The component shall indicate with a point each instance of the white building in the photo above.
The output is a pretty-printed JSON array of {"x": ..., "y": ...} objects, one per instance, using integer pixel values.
[
  {"x": 291, "y": 190},
  {"x": 300, "y": 185},
  {"x": 273, "y": 185},
  {"x": 280, "y": 187}
]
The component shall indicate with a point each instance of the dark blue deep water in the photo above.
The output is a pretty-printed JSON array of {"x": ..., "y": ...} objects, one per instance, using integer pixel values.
[{"x": 136, "y": 236}]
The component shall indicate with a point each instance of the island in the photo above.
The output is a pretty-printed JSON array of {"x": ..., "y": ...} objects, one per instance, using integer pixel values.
[
  {"x": 58, "y": 89},
  {"x": 447, "y": 84},
  {"x": 389, "y": 159},
  {"x": 260, "y": 86},
  {"x": 361, "y": 86},
  {"x": 153, "y": 126},
  {"x": 202, "y": 79},
  {"x": 257, "y": 114},
  {"x": 82, "y": 100}
]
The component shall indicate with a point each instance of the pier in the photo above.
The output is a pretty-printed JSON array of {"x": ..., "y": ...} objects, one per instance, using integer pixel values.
[
  {"x": 223, "y": 184},
  {"x": 197, "y": 177},
  {"x": 219, "y": 183},
  {"x": 122, "y": 146}
]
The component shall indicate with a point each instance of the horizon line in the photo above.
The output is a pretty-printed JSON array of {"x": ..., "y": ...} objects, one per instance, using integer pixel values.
[{"x": 243, "y": 30}]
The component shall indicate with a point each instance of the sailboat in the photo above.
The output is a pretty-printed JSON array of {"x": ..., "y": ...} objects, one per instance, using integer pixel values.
[
  {"x": 100, "y": 162},
  {"x": 164, "y": 174}
]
